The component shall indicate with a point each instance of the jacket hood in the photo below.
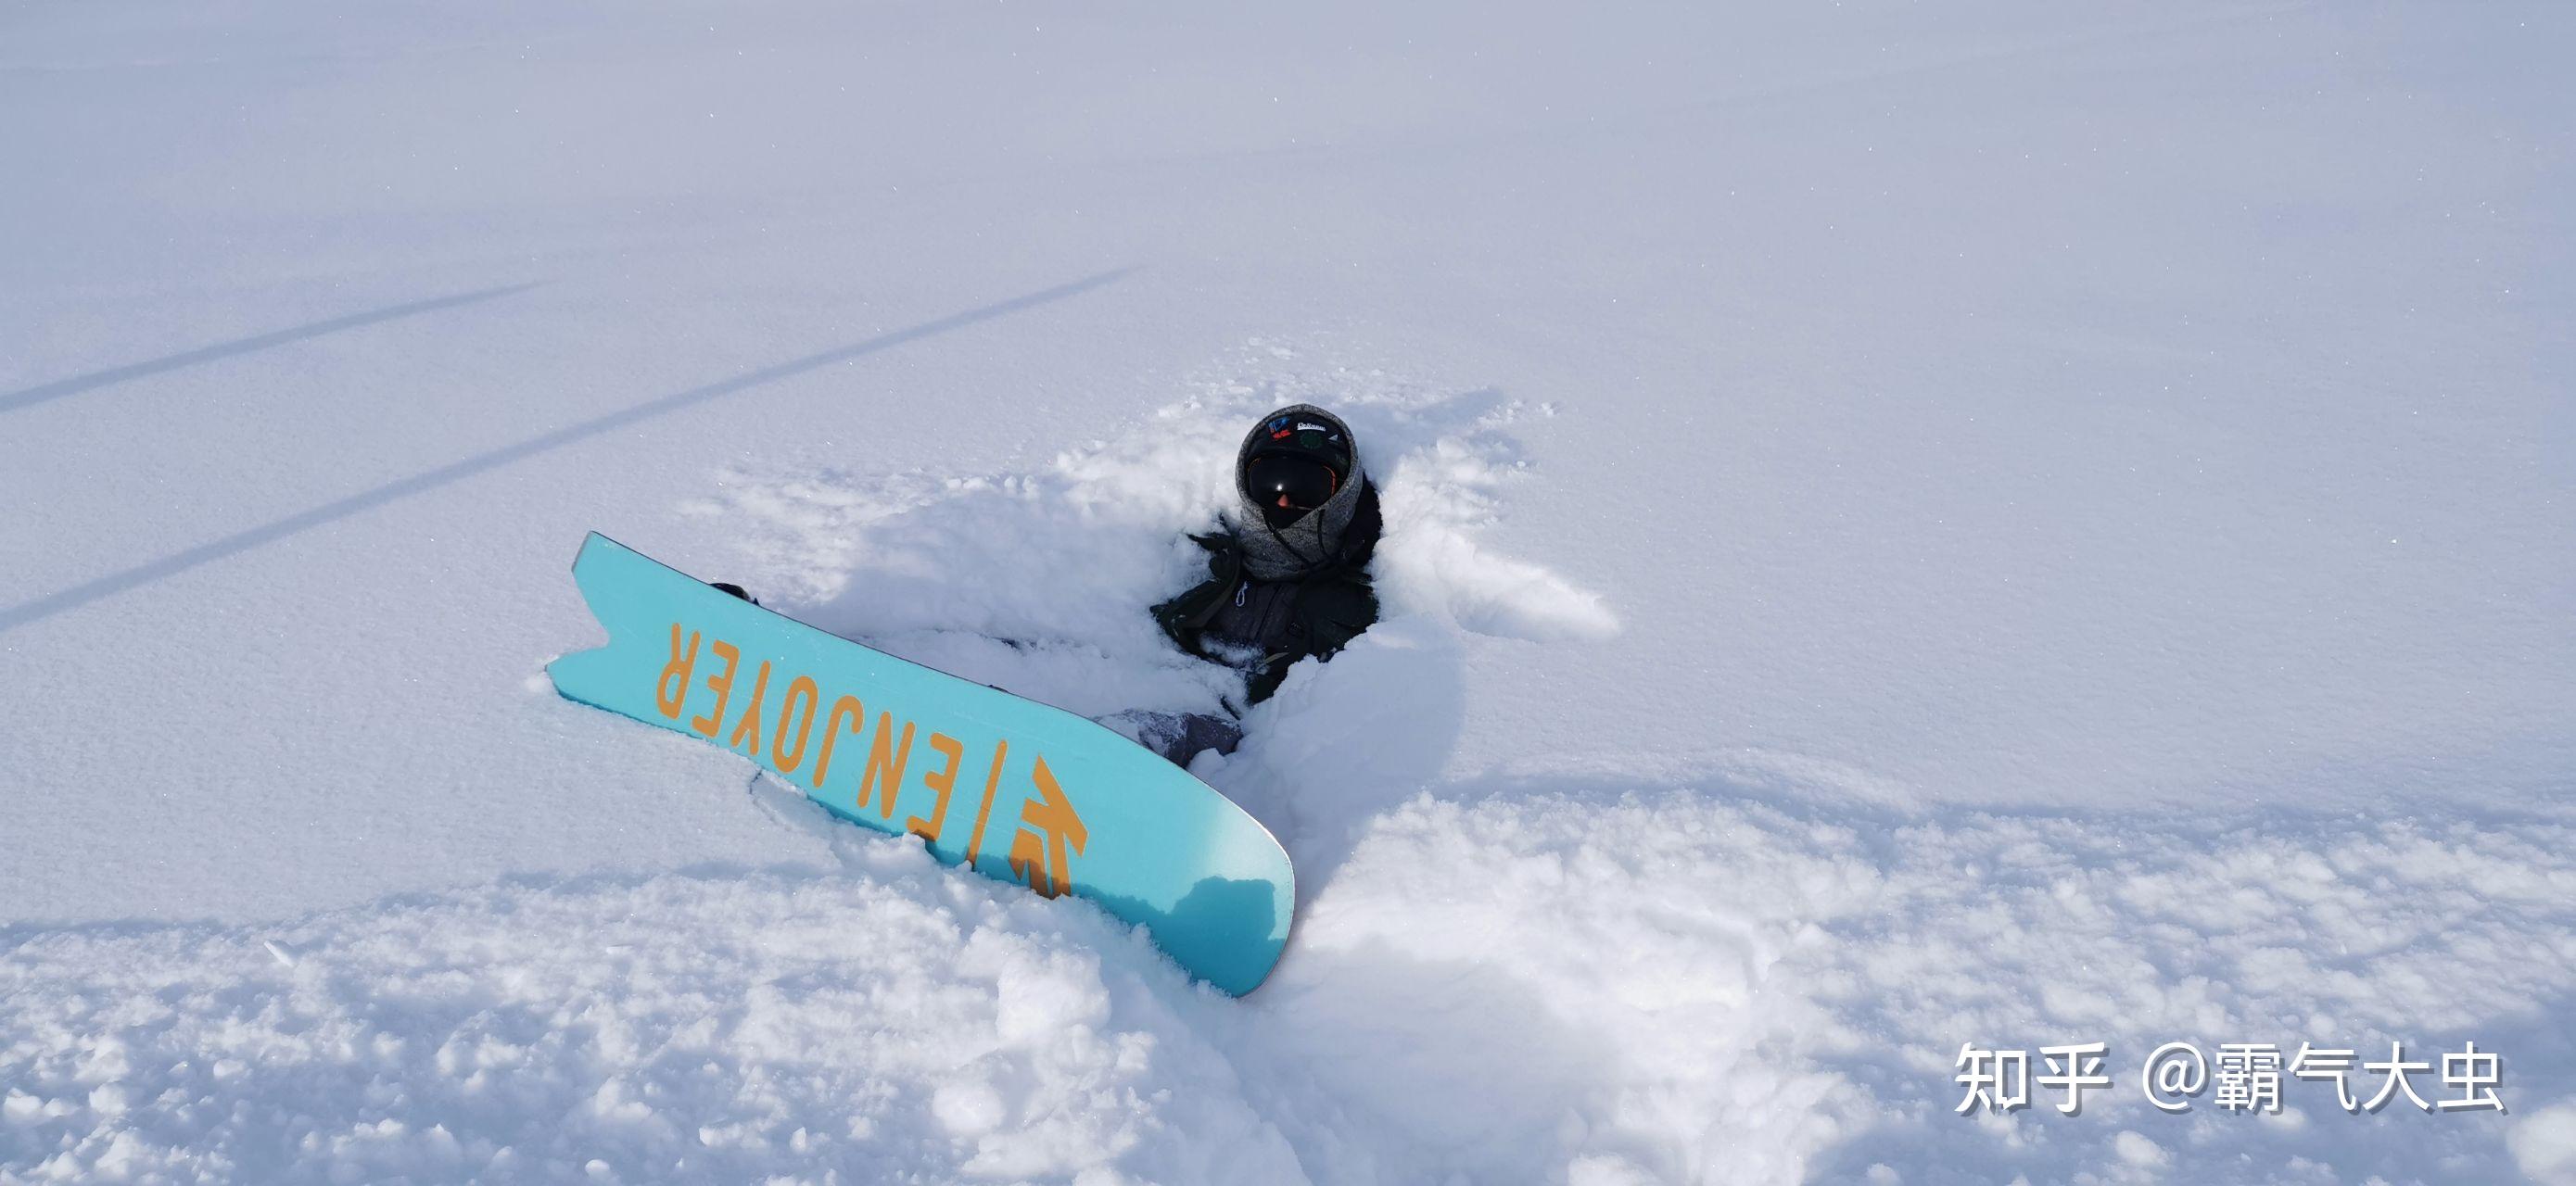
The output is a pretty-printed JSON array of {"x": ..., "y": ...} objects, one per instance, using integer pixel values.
[{"x": 1315, "y": 539}]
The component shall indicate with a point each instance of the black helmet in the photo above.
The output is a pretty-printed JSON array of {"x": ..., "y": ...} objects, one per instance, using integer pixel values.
[{"x": 1294, "y": 462}]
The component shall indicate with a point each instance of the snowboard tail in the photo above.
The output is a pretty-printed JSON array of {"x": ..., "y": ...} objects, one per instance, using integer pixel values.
[{"x": 1011, "y": 788}]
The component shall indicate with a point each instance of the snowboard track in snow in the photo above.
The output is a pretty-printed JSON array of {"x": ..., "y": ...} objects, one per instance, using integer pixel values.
[{"x": 114, "y": 583}]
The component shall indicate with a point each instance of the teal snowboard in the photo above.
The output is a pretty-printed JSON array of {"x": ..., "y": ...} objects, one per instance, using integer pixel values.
[{"x": 1009, "y": 787}]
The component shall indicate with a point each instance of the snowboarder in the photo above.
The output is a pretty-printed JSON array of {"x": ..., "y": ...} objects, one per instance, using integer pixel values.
[{"x": 1287, "y": 574}]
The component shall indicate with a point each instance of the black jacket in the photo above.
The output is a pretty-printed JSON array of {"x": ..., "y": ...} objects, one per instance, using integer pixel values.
[{"x": 1316, "y": 614}]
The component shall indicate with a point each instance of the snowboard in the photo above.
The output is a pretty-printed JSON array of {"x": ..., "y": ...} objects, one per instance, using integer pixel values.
[{"x": 1008, "y": 787}]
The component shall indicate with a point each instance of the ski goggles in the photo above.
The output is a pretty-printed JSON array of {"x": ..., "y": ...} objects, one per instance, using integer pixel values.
[{"x": 1289, "y": 481}]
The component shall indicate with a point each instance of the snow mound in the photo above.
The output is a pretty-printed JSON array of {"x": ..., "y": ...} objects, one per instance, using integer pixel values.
[
  {"x": 2544, "y": 1145},
  {"x": 936, "y": 567},
  {"x": 1506, "y": 980},
  {"x": 886, "y": 1021},
  {"x": 1684, "y": 984}
]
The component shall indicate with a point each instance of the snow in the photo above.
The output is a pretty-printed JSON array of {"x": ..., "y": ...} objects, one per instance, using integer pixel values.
[
  {"x": 2544, "y": 1145},
  {"x": 629, "y": 1030},
  {"x": 2011, "y": 524}
]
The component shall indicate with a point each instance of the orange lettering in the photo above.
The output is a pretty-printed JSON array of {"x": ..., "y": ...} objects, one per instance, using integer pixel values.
[
  {"x": 845, "y": 707},
  {"x": 750, "y": 722},
  {"x": 885, "y": 764},
  {"x": 992, "y": 782},
  {"x": 943, "y": 781},
  {"x": 1028, "y": 862},
  {"x": 786, "y": 758},
  {"x": 1053, "y": 816},
  {"x": 721, "y": 685},
  {"x": 672, "y": 690}
]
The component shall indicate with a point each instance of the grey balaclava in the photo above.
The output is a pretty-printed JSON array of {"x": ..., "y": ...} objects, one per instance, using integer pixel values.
[{"x": 1315, "y": 538}]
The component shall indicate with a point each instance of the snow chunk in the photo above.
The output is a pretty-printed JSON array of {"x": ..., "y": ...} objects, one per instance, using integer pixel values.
[
  {"x": 2137, "y": 1150},
  {"x": 2544, "y": 1144}
]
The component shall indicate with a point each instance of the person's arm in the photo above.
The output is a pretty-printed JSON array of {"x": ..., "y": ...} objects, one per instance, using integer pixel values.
[{"x": 1183, "y": 617}]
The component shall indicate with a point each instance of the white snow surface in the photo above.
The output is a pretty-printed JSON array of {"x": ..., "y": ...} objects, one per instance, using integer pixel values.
[{"x": 1906, "y": 525}]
